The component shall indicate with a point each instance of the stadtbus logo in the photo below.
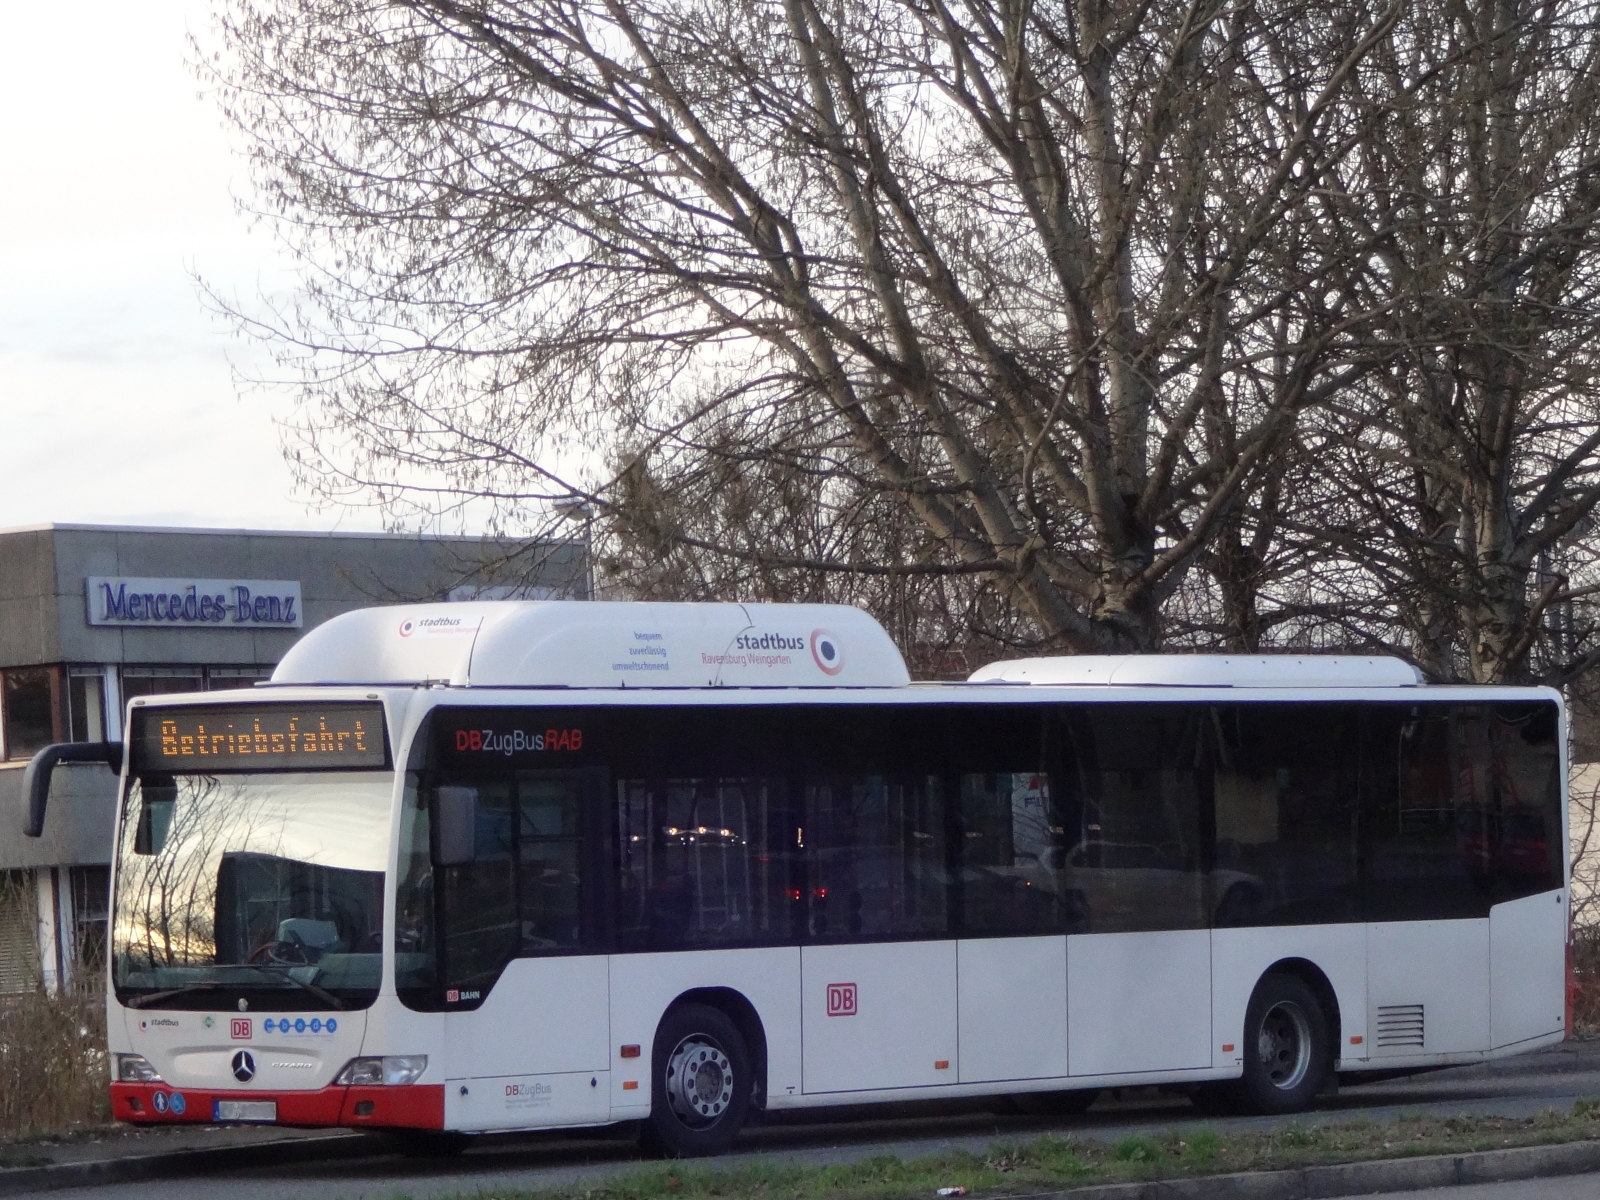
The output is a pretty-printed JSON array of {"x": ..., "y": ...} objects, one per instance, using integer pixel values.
[
  {"x": 413, "y": 625},
  {"x": 767, "y": 641},
  {"x": 825, "y": 652}
]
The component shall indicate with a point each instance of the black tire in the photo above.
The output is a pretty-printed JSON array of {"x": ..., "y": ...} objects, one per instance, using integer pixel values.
[
  {"x": 700, "y": 1083},
  {"x": 1053, "y": 1104},
  {"x": 1288, "y": 1050}
]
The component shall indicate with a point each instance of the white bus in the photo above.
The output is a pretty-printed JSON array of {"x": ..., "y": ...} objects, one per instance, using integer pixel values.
[{"x": 509, "y": 866}]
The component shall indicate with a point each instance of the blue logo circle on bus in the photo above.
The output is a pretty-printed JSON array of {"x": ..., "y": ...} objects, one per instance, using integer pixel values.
[
  {"x": 268, "y": 1025},
  {"x": 159, "y": 1102},
  {"x": 316, "y": 1025},
  {"x": 299, "y": 1024},
  {"x": 178, "y": 1104},
  {"x": 332, "y": 1025},
  {"x": 826, "y": 653}
]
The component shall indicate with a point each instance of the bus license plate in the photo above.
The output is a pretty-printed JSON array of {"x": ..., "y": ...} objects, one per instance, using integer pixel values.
[{"x": 244, "y": 1110}]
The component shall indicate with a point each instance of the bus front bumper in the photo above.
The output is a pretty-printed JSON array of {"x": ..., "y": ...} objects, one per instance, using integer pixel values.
[{"x": 415, "y": 1106}]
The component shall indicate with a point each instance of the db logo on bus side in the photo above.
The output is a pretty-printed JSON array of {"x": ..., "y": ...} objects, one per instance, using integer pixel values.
[{"x": 841, "y": 999}]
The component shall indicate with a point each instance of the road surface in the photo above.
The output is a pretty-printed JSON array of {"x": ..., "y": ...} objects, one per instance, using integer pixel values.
[{"x": 1515, "y": 1087}]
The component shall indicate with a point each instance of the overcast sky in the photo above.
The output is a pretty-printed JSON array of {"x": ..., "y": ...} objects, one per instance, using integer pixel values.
[{"x": 117, "y": 402}]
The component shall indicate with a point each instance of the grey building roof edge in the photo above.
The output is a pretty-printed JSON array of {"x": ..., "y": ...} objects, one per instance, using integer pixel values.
[{"x": 189, "y": 530}]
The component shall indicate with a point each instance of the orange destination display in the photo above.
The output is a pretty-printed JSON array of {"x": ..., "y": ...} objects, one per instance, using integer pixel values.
[{"x": 260, "y": 737}]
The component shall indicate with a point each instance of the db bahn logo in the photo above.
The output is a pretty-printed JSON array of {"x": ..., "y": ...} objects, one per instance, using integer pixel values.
[{"x": 841, "y": 999}]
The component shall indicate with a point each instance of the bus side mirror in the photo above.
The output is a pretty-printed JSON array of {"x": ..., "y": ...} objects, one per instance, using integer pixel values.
[
  {"x": 158, "y": 796},
  {"x": 455, "y": 817},
  {"x": 36, "y": 779}
]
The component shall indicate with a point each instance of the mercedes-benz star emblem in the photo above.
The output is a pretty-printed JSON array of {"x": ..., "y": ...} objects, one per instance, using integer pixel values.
[{"x": 244, "y": 1066}]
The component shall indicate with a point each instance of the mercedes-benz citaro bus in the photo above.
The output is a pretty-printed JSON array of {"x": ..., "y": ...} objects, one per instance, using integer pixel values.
[{"x": 514, "y": 866}]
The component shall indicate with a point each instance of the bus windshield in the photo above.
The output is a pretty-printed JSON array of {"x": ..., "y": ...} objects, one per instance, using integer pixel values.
[{"x": 252, "y": 892}]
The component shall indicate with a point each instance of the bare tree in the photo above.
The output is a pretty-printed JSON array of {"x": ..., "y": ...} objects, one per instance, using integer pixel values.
[
  {"x": 1584, "y": 807},
  {"x": 1461, "y": 478},
  {"x": 792, "y": 292}
]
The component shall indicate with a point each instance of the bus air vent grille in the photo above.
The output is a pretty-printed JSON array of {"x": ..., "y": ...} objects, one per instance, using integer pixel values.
[{"x": 1400, "y": 1025}]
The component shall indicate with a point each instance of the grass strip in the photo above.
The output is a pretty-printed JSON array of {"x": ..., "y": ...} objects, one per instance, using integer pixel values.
[{"x": 1053, "y": 1162}]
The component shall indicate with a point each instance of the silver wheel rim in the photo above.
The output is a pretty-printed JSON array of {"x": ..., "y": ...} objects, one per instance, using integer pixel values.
[
  {"x": 1284, "y": 1045},
  {"x": 699, "y": 1081}
]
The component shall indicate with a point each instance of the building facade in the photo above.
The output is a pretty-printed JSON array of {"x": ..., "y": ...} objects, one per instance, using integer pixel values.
[{"x": 93, "y": 616}]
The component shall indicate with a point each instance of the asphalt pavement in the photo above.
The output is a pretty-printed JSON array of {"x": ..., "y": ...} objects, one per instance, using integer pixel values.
[{"x": 1516, "y": 1087}]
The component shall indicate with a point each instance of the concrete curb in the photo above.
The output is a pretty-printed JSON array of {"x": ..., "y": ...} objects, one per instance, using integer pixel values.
[
  {"x": 176, "y": 1163},
  {"x": 1360, "y": 1178},
  {"x": 1301, "y": 1183}
]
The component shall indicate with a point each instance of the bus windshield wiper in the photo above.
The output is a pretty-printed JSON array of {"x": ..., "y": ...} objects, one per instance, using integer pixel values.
[
  {"x": 205, "y": 985},
  {"x": 211, "y": 985},
  {"x": 322, "y": 994}
]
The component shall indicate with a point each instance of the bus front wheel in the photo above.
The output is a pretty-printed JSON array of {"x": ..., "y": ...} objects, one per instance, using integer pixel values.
[
  {"x": 1287, "y": 1051},
  {"x": 701, "y": 1083}
]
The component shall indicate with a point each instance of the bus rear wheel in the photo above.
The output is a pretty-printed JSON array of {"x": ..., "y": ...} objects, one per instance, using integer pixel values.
[
  {"x": 1287, "y": 1051},
  {"x": 700, "y": 1083}
]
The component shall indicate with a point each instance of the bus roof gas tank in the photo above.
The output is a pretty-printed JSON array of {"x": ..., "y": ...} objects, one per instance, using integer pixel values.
[
  {"x": 580, "y": 643},
  {"x": 1206, "y": 670}
]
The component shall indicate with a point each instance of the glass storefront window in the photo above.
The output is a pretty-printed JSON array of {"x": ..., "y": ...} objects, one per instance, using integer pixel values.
[
  {"x": 86, "y": 704},
  {"x": 91, "y": 892},
  {"x": 26, "y": 706},
  {"x": 160, "y": 681},
  {"x": 219, "y": 679}
]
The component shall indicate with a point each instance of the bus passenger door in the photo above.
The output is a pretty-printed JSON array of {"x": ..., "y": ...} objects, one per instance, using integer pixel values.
[
  {"x": 1013, "y": 963},
  {"x": 535, "y": 1052},
  {"x": 1139, "y": 951}
]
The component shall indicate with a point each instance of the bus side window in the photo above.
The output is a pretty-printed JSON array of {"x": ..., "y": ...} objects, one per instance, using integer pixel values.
[
  {"x": 1133, "y": 776},
  {"x": 1284, "y": 784},
  {"x": 550, "y": 861},
  {"x": 1468, "y": 816},
  {"x": 875, "y": 857},
  {"x": 1012, "y": 858},
  {"x": 480, "y": 923},
  {"x": 416, "y": 967},
  {"x": 704, "y": 862},
  {"x": 1526, "y": 763}
]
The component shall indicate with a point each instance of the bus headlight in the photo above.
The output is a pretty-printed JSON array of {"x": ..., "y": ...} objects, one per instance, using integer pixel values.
[
  {"x": 391, "y": 1070},
  {"x": 136, "y": 1068}
]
